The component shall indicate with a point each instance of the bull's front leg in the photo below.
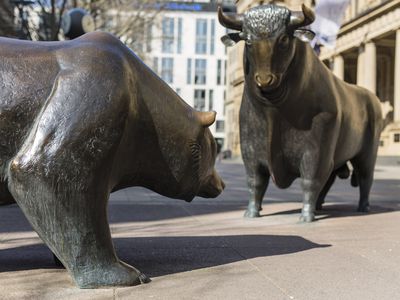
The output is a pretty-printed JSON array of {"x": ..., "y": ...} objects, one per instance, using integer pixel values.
[
  {"x": 314, "y": 176},
  {"x": 311, "y": 190},
  {"x": 257, "y": 183}
]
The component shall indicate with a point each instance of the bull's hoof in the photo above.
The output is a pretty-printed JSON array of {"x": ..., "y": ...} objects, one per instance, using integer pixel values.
[
  {"x": 363, "y": 209},
  {"x": 307, "y": 218},
  {"x": 252, "y": 214},
  {"x": 119, "y": 274}
]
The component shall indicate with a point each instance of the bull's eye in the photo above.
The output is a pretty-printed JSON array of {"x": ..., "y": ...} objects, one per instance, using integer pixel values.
[{"x": 283, "y": 42}]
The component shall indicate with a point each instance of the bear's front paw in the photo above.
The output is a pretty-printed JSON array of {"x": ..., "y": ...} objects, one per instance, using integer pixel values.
[{"x": 117, "y": 274}]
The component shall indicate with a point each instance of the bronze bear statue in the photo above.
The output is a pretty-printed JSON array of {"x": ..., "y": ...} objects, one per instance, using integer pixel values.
[{"x": 80, "y": 119}]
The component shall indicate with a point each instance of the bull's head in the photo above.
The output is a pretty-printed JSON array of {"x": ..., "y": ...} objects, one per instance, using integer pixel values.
[{"x": 269, "y": 32}]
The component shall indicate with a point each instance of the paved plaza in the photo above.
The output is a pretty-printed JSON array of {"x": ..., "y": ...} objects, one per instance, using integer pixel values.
[{"x": 207, "y": 250}]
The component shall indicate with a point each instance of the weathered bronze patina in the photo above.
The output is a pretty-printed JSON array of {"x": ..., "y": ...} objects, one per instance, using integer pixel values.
[
  {"x": 296, "y": 118},
  {"x": 80, "y": 119}
]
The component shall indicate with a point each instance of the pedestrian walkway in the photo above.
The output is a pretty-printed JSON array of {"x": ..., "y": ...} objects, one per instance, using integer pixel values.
[{"x": 206, "y": 250}]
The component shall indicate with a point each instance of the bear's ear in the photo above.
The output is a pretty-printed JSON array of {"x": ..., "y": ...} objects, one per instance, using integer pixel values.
[
  {"x": 206, "y": 118},
  {"x": 231, "y": 39},
  {"x": 304, "y": 35}
]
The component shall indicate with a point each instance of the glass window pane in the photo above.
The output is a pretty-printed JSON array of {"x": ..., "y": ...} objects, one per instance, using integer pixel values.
[
  {"x": 167, "y": 69},
  {"x": 179, "y": 47},
  {"x": 212, "y": 41},
  {"x": 168, "y": 35},
  {"x": 200, "y": 71},
  {"x": 199, "y": 100},
  {"x": 201, "y": 36},
  {"x": 189, "y": 71}
]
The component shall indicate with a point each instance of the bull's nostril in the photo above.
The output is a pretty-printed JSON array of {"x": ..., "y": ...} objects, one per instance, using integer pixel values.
[
  {"x": 269, "y": 80},
  {"x": 258, "y": 81},
  {"x": 263, "y": 83}
]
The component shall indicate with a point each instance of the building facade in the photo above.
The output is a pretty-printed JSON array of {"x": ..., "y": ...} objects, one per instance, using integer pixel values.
[
  {"x": 367, "y": 53},
  {"x": 186, "y": 52}
]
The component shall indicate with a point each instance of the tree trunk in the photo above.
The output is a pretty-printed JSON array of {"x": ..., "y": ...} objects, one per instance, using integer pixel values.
[{"x": 7, "y": 26}]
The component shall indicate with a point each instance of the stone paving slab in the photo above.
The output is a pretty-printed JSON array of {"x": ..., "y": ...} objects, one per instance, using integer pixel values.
[{"x": 207, "y": 250}]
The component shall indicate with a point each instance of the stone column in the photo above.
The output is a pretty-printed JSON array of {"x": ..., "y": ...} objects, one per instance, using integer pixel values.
[
  {"x": 396, "y": 112},
  {"x": 360, "y": 66},
  {"x": 370, "y": 67},
  {"x": 338, "y": 66},
  {"x": 366, "y": 67}
]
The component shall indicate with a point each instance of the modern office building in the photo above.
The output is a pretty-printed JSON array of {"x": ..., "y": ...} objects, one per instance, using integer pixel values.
[
  {"x": 186, "y": 51},
  {"x": 367, "y": 53}
]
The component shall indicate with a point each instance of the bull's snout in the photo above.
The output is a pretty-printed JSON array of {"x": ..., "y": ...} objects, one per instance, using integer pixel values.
[
  {"x": 266, "y": 82},
  {"x": 212, "y": 187}
]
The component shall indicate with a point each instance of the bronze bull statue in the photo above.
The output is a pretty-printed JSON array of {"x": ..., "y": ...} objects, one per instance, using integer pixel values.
[
  {"x": 80, "y": 119},
  {"x": 296, "y": 118}
]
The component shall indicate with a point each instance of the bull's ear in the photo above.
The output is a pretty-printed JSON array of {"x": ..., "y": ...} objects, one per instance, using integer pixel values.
[
  {"x": 304, "y": 35},
  {"x": 231, "y": 39}
]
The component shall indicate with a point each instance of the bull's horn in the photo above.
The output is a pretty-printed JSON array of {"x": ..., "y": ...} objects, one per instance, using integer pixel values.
[
  {"x": 231, "y": 21},
  {"x": 302, "y": 18},
  {"x": 206, "y": 118}
]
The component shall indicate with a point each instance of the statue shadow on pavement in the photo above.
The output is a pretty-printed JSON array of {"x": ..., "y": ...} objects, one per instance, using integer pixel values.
[{"x": 159, "y": 256}]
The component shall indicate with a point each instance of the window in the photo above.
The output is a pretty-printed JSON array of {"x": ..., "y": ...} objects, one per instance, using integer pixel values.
[
  {"x": 168, "y": 35},
  {"x": 179, "y": 46},
  {"x": 201, "y": 36},
  {"x": 211, "y": 100},
  {"x": 178, "y": 91},
  {"x": 212, "y": 40},
  {"x": 155, "y": 65},
  {"x": 149, "y": 37},
  {"x": 397, "y": 137},
  {"x": 381, "y": 143},
  {"x": 200, "y": 71},
  {"x": 167, "y": 69},
  {"x": 219, "y": 72},
  {"x": 225, "y": 72},
  {"x": 220, "y": 126},
  {"x": 199, "y": 100},
  {"x": 189, "y": 71}
]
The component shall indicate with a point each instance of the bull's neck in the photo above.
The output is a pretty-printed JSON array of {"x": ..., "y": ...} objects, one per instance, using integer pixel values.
[{"x": 298, "y": 103}]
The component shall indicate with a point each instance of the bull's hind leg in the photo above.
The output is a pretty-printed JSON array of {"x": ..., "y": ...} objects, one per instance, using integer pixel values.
[
  {"x": 364, "y": 173},
  {"x": 72, "y": 220},
  {"x": 364, "y": 166},
  {"x": 257, "y": 183}
]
